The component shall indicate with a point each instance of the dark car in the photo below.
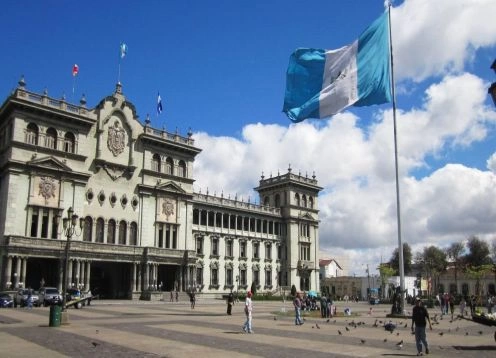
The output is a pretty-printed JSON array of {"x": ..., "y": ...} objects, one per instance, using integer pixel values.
[
  {"x": 6, "y": 300},
  {"x": 22, "y": 295},
  {"x": 73, "y": 294},
  {"x": 49, "y": 296}
]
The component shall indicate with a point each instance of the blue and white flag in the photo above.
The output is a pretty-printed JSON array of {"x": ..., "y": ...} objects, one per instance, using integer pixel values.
[
  {"x": 159, "y": 104},
  {"x": 123, "y": 50},
  {"x": 321, "y": 83}
]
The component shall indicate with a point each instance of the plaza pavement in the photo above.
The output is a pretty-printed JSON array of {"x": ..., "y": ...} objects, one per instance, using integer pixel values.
[{"x": 164, "y": 329}]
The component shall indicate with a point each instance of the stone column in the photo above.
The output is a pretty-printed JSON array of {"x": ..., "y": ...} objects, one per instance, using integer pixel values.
[
  {"x": 87, "y": 276},
  {"x": 76, "y": 275},
  {"x": 139, "y": 267},
  {"x": 133, "y": 278},
  {"x": 69, "y": 274},
  {"x": 17, "y": 272},
  {"x": 147, "y": 277},
  {"x": 61, "y": 275},
  {"x": 24, "y": 263},
  {"x": 8, "y": 274}
]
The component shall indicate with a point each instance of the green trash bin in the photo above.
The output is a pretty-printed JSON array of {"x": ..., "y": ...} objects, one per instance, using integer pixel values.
[{"x": 55, "y": 314}]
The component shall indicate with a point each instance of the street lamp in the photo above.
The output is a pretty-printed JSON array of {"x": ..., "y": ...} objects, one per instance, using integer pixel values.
[
  {"x": 492, "y": 89},
  {"x": 69, "y": 225}
]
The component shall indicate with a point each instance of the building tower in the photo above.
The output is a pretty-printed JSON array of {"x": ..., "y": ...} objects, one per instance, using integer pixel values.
[{"x": 296, "y": 196}]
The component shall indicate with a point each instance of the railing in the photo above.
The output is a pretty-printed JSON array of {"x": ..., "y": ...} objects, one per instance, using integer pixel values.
[
  {"x": 284, "y": 177},
  {"x": 174, "y": 137},
  {"x": 50, "y": 102},
  {"x": 210, "y": 199}
]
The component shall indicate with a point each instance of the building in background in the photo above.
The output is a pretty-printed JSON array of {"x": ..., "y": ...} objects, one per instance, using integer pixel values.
[
  {"x": 329, "y": 268},
  {"x": 144, "y": 229}
]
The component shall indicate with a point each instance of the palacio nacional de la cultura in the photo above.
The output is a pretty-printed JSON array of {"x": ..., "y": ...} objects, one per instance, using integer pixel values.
[{"x": 140, "y": 226}]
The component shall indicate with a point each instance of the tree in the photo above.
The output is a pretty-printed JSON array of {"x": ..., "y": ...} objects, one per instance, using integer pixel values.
[
  {"x": 478, "y": 252},
  {"x": 455, "y": 252},
  {"x": 407, "y": 259},
  {"x": 477, "y": 272},
  {"x": 433, "y": 262}
]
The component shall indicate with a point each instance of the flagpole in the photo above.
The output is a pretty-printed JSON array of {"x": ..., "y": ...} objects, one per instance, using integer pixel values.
[
  {"x": 73, "y": 87},
  {"x": 398, "y": 207}
]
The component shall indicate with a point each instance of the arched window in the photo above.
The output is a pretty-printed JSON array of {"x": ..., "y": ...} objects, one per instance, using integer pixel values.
[
  {"x": 266, "y": 201},
  {"x": 297, "y": 199},
  {"x": 100, "y": 225},
  {"x": 69, "y": 143},
  {"x": 122, "y": 232},
  {"x": 304, "y": 201},
  {"x": 181, "y": 169},
  {"x": 310, "y": 202},
  {"x": 133, "y": 234},
  {"x": 32, "y": 134},
  {"x": 277, "y": 201},
  {"x": 88, "y": 229},
  {"x": 196, "y": 216},
  {"x": 156, "y": 162},
  {"x": 111, "y": 232},
  {"x": 51, "y": 138},
  {"x": 169, "y": 166}
]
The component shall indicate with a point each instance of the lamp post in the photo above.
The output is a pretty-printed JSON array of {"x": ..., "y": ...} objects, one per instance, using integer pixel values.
[
  {"x": 492, "y": 89},
  {"x": 69, "y": 229}
]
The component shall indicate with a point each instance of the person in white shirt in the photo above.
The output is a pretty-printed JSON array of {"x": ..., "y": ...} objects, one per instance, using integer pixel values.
[{"x": 248, "y": 312}]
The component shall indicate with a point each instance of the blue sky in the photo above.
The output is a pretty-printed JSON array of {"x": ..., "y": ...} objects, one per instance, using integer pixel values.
[{"x": 220, "y": 68}]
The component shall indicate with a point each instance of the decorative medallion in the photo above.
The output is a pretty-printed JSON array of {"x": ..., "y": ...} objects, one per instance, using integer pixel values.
[
  {"x": 116, "y": 139},
  {"x": 168, "y": 208},
  {"x": 47, "y": 187}
]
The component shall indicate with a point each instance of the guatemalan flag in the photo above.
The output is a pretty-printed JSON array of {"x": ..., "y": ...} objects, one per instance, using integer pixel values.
[{"x": 321, "y": 83}]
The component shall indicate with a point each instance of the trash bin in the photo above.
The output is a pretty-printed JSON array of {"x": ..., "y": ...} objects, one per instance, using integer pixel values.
[{"x": 55, "y": 313}]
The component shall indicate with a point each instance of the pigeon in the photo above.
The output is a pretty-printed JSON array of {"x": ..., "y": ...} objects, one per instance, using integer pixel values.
[
  {"x": 339, "y": 332},
  {"x": 275, "y": 318},
  {"x": 466, "y": 333},
  {"x": 347, "y": 328},
  {"x": 362, "y": 341},
  {"x": 399, "y": 344},
  {"x": 397, "y": 333},
  {"x": 480, "y": 332},
  {"x": 317, "y": 325},
  {"x": 441, "y": 333},
  {"x": 406, "y": 325},
  {"x": 95, "y": 344},
  {"x": 385, "y": 340},
  {"x": 328, "y": 320}
]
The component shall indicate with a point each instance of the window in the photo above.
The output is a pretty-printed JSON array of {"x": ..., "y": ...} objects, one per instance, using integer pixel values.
[
  {"x": 310, "y": 202},
  {"x": 242, "y": 249},
  {"x": 199, "y": 275},
  {"x": 156, "y": 162},
  {"x": 304, "y": 201},
  {"x": 268, "y": 252},
  {"x": 99, "y": 230},
  {"x": 55, "y": 227},
  {"x": 229, "y": 248},
  {"x": 181, "y": 169},
  {"x": 256, "y": 276},
  {"x": 268, "y": 277},
  {"x": 133, "y": 234},
  {"x": 69, "y": 143},
  {"x": 169, "y": 166},
  {"x": 111, "y": 231},
  {"x": 277, "y": 200},
  {"x": 256, "y": 250},
  {"x": 305, "y": 252},
  {"x": 215, "y": 246},
  {"x": 214, "y": 276},
  {"x": 266, "y": 201},
  {"x": 297, "y": 199},
  {"x": 34, "y": 223},
  {"x": 196, "y": 216},
  {"x": 44, "y": 224},
  {"x": 122, "y": 232},
  {"x": 229, "y": 277},
  {"x": 32, "y": 134},
  {"x": 51, "y": 138},
  {"x": 87, "y": 229},
  {"x": 199, "y": 245},
  {"x": 279, "y": 252},
  {"x": 242, "y": 277}
]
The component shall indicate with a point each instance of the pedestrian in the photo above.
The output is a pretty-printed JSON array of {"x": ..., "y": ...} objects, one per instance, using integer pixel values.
[
  {"x": 323, "y": 306},
  {"x": 29, "y": 302},
  {"x": 171, "y": 297},
  {"x": 248, "y": 313},
  {"x": 297, "y": 303},
  {"x": 230, "y": 302},
  {"x": 463, "y": 304},
  {"x": 177, "y": 296},
  {"x": 452, "y": 305},
  {"x": 420, "y": 317},
  {"x": 192, "y": 299}
]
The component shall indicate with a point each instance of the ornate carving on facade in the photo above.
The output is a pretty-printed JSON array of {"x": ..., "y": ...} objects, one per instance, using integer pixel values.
[
  {"x": 116, "y": 140},
  {"x": 168, "y": 208},
  {"x": 114, "y": 172},
  {"x": 47, "y": 187}
]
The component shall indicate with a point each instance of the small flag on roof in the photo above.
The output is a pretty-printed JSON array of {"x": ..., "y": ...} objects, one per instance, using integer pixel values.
[
  {"x": 123, "y": 50},
  {"x": 159, "y": 104},
  {"x": 75, "y": 70}
]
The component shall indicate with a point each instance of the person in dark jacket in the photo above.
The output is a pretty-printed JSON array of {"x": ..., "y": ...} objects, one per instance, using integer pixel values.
[
  {"x": 420, "y": 317},
  {"x": 230, "y": 302}
]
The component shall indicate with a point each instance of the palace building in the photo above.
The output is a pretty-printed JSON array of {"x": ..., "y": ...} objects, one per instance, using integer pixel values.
[{"x": 100, "y": 200}]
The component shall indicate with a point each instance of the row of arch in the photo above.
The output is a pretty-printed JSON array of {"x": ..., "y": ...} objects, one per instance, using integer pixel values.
[
  {"x": 110, "y": 232},
  {"x": 167, "y": 166},
  {"x": 299, "y": 200},
  {"x": 50, "y": 139}
]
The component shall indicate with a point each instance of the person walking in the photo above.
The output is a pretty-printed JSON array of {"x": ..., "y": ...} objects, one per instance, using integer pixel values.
[
  {"x": 420, "y": 317},
  {"x": 29, "y": 301},
  {"x": 297, "y": 303},
  {"x": 247, "y": 327},
  {"x": 192, "y": 299},
  {"x": 230, "y": 302}
]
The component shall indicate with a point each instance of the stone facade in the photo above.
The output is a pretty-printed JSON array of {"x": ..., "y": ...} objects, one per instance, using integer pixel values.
[{"x": 142, "y": 227}]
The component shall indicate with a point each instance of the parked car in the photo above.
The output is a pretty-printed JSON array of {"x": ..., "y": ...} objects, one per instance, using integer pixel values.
[
  {"x": 74, "y": 294},
  {"x": 6, "y": 300},
  {"x": 21, "y": 298},
  {"x": 49, "y": 296}
]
